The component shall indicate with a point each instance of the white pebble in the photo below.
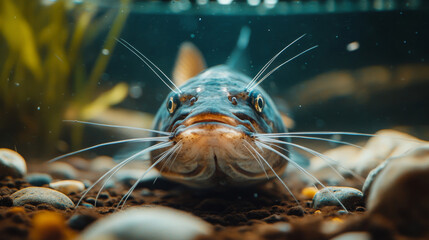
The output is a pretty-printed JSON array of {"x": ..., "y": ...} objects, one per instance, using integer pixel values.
[
  {"x": 102, "y": 164},
  {"x": 154, "y": 223},
  {"x": 62, "y": 170},
  {"x": 11, "y": 164},
  {"x": 68, "y": 186},
  {"x": 353, "y": 236},
  {"x": 399, "y": 191}
]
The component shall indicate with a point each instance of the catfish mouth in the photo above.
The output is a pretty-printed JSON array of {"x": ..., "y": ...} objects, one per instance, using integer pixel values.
[{"x": 211, "y": 119}]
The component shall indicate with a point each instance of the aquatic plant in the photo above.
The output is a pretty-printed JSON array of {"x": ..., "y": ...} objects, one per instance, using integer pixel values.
[{"x": 43, "y": 76}]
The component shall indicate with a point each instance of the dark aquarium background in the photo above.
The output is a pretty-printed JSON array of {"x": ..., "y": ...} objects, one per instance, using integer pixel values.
[{"x": 369, "y": 72}]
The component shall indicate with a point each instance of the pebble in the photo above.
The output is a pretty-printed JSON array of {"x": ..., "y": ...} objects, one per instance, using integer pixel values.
[
  {"x": 62, "y": 170},
  {"x": 102, "y": 164},
  {"x": 330, "y": 227},
  {"x": 14, "y": 210},
  {"x": 350, "y": 160},
  {"x": 146, "y": 192},
  {"x": 271, "y": 230},
  {"x": 39, "y": 195},
  {"x": 353, "y": 236},
  {"x": 87, "y": 183},
  {"x": 154, "y": 223},
  {"x": 87, "y": 205},
  {"x": 349, "y": 197},
  {"x": 50, "y": 225},
  {"x": 110, "y": 184},
  {"x": 372, "y": 176},
  {"x": 11, "y": 164},
  {"x": 80, "y": 221},
  {"x": 309, "y": 192},
  {"x": 399, "y": 192},
  {"x": 296, "y": 211},
  {"x": 283, "y": 227},
  {"x": 341, "y": 158},
  {"x": 388, "y": 144},
  {"x": 68, "y": 186},
  {"x": 38, "y": 179},
  {"x": 79, "y": 163},
  {"x": 130, "y": 176},
  {"x": 342, "y": 212}
]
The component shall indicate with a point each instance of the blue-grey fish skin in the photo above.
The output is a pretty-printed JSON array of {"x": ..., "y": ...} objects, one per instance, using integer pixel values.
[
  {"x": 206, "y": 106},
  {"x": 212, "y": 98}
]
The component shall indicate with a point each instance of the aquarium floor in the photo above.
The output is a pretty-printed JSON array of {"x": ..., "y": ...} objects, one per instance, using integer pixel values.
[{"x": 265, "y": 212}]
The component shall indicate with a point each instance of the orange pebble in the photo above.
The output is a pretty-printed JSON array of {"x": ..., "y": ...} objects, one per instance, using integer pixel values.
[
  {"x": 50, "y": 225},
  {"x": 16, "y": 210},
  {"x": 336, "y": 219},
  {"x": 309, "y": 192}
]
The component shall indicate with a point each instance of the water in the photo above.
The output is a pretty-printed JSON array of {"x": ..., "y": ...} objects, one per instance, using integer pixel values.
[
  {"x": 351, "y": 36},
  {"x": 360, "y": 42}
]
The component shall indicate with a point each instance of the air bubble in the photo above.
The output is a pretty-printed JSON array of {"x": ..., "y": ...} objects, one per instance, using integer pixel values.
[{"x": 105, "y": 51}]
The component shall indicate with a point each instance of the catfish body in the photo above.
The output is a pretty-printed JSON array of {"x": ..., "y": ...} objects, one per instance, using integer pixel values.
[{"x": 214, "y": 119}]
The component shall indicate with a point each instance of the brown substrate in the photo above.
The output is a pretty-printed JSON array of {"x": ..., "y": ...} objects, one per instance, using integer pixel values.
[{"x": 254, "y": 213}]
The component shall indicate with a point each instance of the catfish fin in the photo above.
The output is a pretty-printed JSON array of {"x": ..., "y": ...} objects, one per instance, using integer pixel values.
[
  {"x": 188, "y": 64},
  {"x": 287, "y": 121},
  {"x": 285, "y": 112},
  {"x": 239, "y": 58}
]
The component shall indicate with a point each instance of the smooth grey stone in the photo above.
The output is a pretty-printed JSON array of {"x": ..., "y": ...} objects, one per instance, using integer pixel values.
[
  {"x": 80, "y": 221},
  {"x": 372, "y": 176},
  {"x": 38, "y": 179},
  {"x": 11, "y": 164},
  {"x": 62, "y": 170},
  {"x": 341, "y": 158},
  {"x": 39, "y": 195},
  {"x": 349, "y": 197},
  {"x": 129, "y": 176},
  {"x": 142, "y": 223},
  {"x": 400, "y": 193}
]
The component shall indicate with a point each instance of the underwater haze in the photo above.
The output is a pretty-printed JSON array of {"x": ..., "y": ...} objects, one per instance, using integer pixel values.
[
  {"x": 126, "y": 119},
  {"x": 369, "y": 71}
]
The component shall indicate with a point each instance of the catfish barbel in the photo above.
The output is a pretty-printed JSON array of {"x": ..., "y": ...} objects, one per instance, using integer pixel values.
[
  {"x": 213, "y": 117},
  {"x": 217, "y": 127}
]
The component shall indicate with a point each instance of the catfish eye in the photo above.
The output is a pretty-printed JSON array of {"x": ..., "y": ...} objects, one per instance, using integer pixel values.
[
  {"x": 259, "y": 103},
  {"x": 171, "y": 105}
]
